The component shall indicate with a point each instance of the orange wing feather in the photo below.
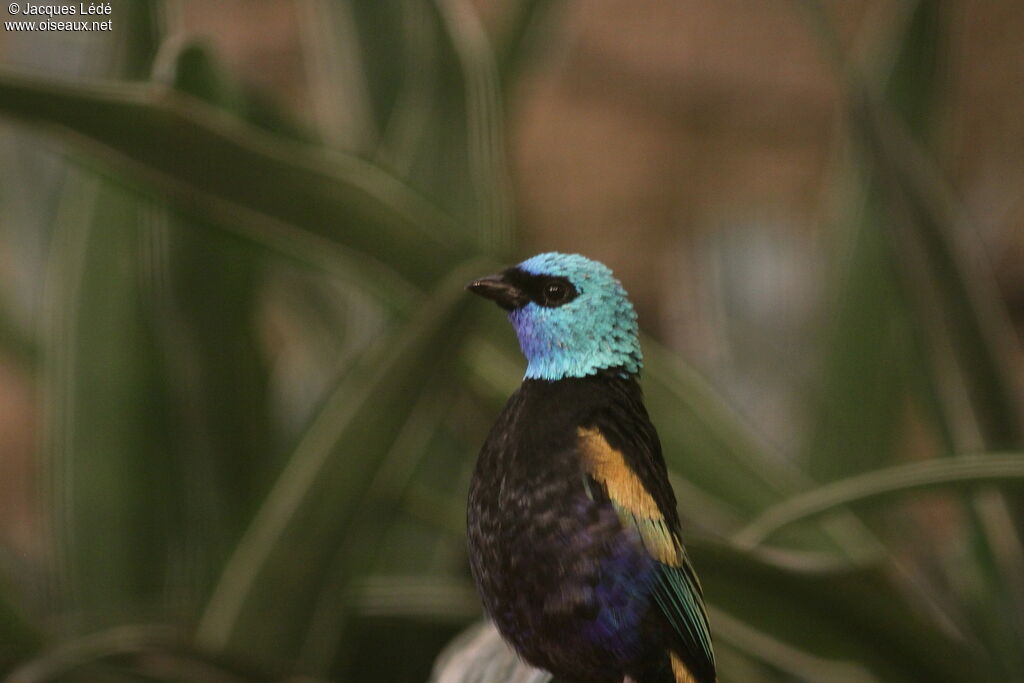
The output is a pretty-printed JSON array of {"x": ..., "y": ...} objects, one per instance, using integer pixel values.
[{"x": 633, "y": 502}]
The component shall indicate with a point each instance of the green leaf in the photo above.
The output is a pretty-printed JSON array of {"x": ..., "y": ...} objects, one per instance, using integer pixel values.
[
  {"x": 109, "y": 428},
  {"x": 110, "y": 441},
  {"x": 970, "y": 312},
  {"x": 134, "y": 653},
  {"x": 158, "y": 393},
  {"x": 340, "y": 80},
  {"x": 261, "y": 603},
  {"x": 841, "y": 615},
  {"x": 857, "y": 410},
  {"x": 437, "y": 104},
  {"x": 486, "y": 166},
  {"x": 962, "y": 333},
  {"x": 324, "y": 641},
  {"x": 207, "y": 293},
  {"x": 401, "y": 76},
  {"x": 870, "y": 355},
  {"x": 296, "y": 199},
  {"x": 960, "y": 472}
]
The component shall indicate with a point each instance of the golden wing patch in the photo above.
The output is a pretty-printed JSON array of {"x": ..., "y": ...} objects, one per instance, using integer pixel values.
[
  {"x": 633, "y": 502},
  {"x": 679, "y": 671}
]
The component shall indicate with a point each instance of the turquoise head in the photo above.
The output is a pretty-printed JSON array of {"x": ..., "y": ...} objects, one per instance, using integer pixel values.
[{"x": 571, "y": 315}]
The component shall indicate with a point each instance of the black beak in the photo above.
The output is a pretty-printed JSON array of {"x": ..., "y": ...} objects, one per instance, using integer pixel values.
[{"x": 499, "y": 290}]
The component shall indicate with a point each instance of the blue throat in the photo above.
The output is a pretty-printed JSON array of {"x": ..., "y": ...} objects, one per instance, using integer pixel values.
[{"x": 595, "y": 331}]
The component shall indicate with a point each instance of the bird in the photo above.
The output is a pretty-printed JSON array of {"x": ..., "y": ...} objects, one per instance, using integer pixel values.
[{"x": 574, "y": 540}]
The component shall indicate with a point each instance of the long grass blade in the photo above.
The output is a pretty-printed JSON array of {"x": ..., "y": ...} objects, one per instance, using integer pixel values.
[
  {"x": 960, "y": 472},
  {"x": 838, "y": 614},
  {"x": 109, "y": 437},
  {"x": 484, "y": 123},
  {"x": 418, "y": 89},
  {"x": 157, "y": 652},
  {"x": 333, "y": 48},
  {"x": 324, "y": 633},
  {"x": 793, "y": 662},
  {"x": 260, "y": 601},
  {"x": 207, "y": 333},
  {"x": 265, "y": 187},
  {"x": 953, "y": 303}
]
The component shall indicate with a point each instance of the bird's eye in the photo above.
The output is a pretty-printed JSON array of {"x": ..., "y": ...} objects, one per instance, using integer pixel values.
[{"x": 555, "y": 292}]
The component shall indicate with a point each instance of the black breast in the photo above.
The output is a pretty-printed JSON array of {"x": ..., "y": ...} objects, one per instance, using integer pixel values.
[{"x": 536, "y": 538}]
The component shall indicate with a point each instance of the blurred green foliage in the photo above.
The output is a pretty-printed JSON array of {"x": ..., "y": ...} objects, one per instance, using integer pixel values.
[{"x": 201, "y": 530}]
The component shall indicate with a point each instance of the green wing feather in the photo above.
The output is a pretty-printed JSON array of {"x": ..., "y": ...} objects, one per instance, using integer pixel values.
[{"x": 680, "y": 598}]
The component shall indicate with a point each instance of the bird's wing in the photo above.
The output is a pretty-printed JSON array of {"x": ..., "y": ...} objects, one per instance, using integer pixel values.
[{"x": 632, "y": 474}]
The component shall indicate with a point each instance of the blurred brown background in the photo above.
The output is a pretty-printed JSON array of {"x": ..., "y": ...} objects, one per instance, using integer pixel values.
[{"x": 649, "y": 125}]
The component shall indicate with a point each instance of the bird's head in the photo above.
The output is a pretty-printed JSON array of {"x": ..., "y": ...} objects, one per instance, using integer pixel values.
[{"x": 572, "y": 316}]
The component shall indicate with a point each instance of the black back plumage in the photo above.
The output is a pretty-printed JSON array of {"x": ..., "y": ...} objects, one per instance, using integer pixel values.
[{"x": 579, "y": 569}]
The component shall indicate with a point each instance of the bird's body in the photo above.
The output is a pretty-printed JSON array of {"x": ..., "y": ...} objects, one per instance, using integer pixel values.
[{"x": 573, "y": 535}]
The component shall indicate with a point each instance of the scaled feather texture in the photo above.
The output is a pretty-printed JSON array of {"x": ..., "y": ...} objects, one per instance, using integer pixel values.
[
  {"x": 594, "y": 331},
  {"x": 574, "y": 540}
]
